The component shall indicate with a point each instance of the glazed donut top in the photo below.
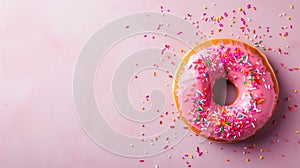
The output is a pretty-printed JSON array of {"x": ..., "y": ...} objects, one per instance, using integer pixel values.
[{"x": 246, "y": 68}]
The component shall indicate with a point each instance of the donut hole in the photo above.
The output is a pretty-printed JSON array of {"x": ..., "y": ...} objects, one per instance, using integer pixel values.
[{"x": 224, "y": 92}]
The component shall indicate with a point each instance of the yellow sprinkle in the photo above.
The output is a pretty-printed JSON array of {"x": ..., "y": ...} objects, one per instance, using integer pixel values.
[
  {"x": 181, "y": 50},
  {"x": 204, "y": 7},
  {"x": 142, "y": 108},
  {"x": 239, "y": 9},
  {"x": 191, "y": 156},
  {"x": 295, "y": 91},
  {"x": 233, "y": 22},
  {"x": 247, "y": 160},
  {"x": 289, "y": 18},
  {"x": 261, "y": 150},
  {"x": 154, "y": 73},
  {"x": 219, "y": 30},
  {"x": 291, "y": 6},
  {"x": 296, "y": 131},
  {"x": 261, "y": 157},
  {"x": 247, "y": 36}
]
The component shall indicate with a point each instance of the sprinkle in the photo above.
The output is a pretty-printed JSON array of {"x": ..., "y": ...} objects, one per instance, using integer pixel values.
[
  {"x": 127, "y": 26},
  {"x": 260, "y": 101},
  {"x": 261, "y": 157},
  {"x": 296, "y": 131},
  {"x": 247, "y": 160},
  {"x": 291, "y": 6},
  {"x": 191, "y": 156},
  {"x": 142, "y": 108},
  {"x": 180, "y": 32},
  {"x": 156, "y": 166},
  {"x": 141, "y": 160},
  {"x": 204, "y": 7},
  {"x": 248, "y": 6},
  {"x": 166, "y": 147},
  {"x": 197, "y": 149}
]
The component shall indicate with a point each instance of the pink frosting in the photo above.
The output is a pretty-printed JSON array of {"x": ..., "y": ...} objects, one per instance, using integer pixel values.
[{"x": 251, "y": 109}]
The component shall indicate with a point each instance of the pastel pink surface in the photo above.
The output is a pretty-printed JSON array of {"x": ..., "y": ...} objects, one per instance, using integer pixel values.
[{"x": 40, "y": 44}]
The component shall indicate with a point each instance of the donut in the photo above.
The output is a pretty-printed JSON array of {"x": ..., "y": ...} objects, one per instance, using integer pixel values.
[{"x": 242, "y": 65}]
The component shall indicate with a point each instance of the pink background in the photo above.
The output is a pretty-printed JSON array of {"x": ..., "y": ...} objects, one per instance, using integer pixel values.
[{"x": 40, "y": 42}]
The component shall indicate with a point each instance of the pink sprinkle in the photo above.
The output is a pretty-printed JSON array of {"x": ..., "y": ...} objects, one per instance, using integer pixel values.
[
  {"x": 248, "y": 6},
  {"x": 141, "y": 160},
  {"x": 189, "y": 15},
  {"x": 291, "y": 69},
  {"x": 127, "y": 26},
  {"x": 225, "y": 14},
  {"x": 279, "y": 50},
  {"x": 178, "y": 33},
  {"x": 221, "y": 25}
]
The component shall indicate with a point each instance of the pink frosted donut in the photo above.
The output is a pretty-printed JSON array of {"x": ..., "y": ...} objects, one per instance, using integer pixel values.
[{"x": 242, "y": 65}]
